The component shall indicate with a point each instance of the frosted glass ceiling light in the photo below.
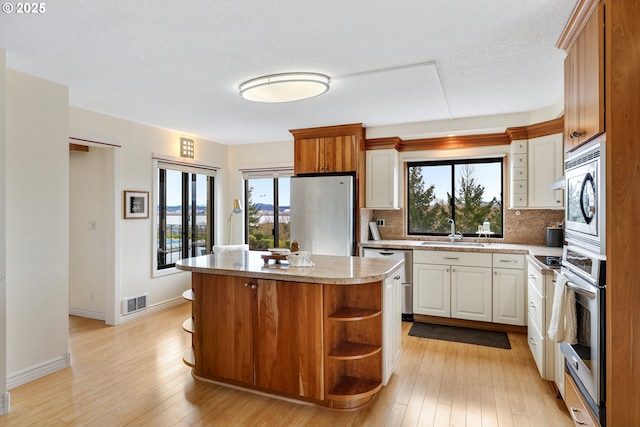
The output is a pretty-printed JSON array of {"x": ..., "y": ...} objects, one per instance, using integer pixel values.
[{"x": 284, "y": 87}]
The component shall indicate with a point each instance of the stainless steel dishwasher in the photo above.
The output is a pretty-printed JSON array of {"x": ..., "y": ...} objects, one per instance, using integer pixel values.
[{"x": 406, "y": 275}]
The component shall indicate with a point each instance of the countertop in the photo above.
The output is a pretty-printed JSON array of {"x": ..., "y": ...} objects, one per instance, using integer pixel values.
[
  {"x": 340, "y": 270},
  {"x": 463, "y": 246},
  {"x": 459, "y": 246}
]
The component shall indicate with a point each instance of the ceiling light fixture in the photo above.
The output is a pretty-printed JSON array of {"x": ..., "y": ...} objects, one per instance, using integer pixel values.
[{"x": 284, "y": 87}]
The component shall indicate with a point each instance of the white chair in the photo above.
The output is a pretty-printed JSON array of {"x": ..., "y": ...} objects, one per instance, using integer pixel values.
[{"x": 217, "y": 249}]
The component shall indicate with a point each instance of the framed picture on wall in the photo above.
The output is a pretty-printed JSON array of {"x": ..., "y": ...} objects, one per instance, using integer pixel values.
[{"x": 136, "y": 204}]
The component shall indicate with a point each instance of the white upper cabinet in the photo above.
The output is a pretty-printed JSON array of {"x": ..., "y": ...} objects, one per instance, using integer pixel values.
[
  {"x": 518, "y": 168},
  {"x": 546, "y": 166},
  {"x": 534, "y": 166},
  {"x": 382, "y": 179}
]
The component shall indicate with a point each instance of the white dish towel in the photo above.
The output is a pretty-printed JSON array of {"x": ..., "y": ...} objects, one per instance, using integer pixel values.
[{"x": 563, "y": 324}]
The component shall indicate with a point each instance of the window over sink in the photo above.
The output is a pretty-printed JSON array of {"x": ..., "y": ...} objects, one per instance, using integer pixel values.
[{"x": 469, "y": 191}]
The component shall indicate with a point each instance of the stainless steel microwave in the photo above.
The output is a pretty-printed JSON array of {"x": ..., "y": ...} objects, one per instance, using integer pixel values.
[{"x": 585, "y": 194}]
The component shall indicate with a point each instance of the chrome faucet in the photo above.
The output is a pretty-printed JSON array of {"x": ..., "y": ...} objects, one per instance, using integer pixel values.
[{"x": 454, "y": 236}]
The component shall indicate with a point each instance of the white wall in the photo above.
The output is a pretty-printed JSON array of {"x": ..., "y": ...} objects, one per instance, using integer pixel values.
[
  {"x": 37, "y": 227},
  {"x": 88, "y": 241},
  {"x": 4, "y": 395},
  {"x": 138, "y": 142}
]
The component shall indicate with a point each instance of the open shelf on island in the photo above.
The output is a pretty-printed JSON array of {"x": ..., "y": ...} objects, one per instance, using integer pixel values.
[
  {"x": 347, "y": 350},
  {"x": 188, "y": 295},
  {"x": 189, "y": 358},
  {"x": 347, "y": 314},
  {"x": 352, "y": 388},
  {"x": 187, "y": 325}
]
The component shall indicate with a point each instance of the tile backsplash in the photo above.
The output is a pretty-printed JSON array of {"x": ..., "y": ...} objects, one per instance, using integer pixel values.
[{"x": 529, "y": 227}]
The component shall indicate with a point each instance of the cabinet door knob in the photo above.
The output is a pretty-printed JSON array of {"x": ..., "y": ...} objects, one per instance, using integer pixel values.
[
  {"x": 246, "y": 285},
  {"x": 254, "y": 286},
  {"x": 575, "y": 134}
]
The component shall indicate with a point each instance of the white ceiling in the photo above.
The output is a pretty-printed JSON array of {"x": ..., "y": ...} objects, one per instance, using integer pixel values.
[{"x": 178, "y": 64}]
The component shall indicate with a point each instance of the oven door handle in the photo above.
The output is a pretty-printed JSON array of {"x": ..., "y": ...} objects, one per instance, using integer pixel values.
[{"x": 580, "y": 290}]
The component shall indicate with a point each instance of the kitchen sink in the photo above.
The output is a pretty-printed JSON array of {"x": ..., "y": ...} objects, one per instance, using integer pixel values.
[{"x": 455, "y": 244}]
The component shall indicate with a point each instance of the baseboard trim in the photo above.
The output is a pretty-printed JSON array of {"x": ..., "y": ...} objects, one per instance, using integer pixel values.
[
  {"x": 126, "y": 318},
  {"x": 38, "y": 371},
  {"x": 5, "y": 407},
  {"x": 151, "y": 309},
  {"x": 81, "y": 312}
]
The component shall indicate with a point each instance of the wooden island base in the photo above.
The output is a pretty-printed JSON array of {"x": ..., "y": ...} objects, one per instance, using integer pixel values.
[{"x": 313, "y": 340}]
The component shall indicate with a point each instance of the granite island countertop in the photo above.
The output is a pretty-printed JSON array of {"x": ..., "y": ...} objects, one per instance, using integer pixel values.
[{"x": 340, "y": 270}]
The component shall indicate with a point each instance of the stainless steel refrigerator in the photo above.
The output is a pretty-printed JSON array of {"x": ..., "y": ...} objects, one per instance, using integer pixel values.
[{"x": 323, "y": 214}]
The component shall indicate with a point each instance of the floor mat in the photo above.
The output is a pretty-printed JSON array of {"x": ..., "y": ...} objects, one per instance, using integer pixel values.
[{"x": 497, "y": 339}]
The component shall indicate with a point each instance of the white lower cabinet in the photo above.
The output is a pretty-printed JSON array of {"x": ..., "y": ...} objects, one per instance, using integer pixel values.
[
  {"x": 452, "y": 284},
  {"x": 471, "y": 293},
  {"x": 391, "y": 325},
  {"x": 536, "y": 345},
  {"x": 508, "y": 289},
  {"x": 478, "y": 286},
  {"x": 540, "y": 289},
  {"x": 559, "y": 368},
  {"x": 432, "y": 289}
]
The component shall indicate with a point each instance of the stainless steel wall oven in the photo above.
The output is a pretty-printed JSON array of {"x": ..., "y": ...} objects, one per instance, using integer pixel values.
[{"x": 585, "y": 359}]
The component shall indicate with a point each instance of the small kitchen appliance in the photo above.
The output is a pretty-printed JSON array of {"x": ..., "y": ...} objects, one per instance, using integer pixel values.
[
  {"x": 585, "y": 198},
  {"x": 554, "y": 237}
]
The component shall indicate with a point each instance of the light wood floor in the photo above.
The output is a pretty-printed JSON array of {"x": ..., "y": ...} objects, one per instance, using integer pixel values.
[{"x": 133, "y": 375}]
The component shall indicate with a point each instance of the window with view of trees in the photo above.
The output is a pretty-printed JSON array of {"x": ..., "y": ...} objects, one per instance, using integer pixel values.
[
  {"x": 267, "y": 211},
  {"x": 467, "y": 191}
]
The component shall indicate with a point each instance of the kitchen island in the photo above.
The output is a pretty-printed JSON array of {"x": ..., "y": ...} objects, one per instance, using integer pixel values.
[{"x": 327, "y": 334}]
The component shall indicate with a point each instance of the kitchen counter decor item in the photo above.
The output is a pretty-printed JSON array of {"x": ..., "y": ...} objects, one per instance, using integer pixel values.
[{"x": 300, "y": 259}]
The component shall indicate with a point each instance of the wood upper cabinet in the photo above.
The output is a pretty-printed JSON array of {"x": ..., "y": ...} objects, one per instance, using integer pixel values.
[
  {"x": 322, "y": 155},
  {"x": 584, "y": 100},
  {"x": 263, "y": 333},
  {"x": 328, "y": 150}
]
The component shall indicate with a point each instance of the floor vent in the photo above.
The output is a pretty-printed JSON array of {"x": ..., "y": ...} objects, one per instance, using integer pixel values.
[{"x": 130, "y": 305}]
